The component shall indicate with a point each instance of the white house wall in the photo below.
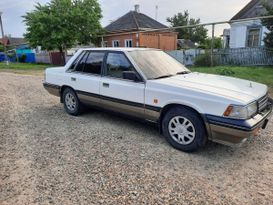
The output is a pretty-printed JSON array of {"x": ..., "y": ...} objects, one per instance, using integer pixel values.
[{"x": 238, "y": 33}]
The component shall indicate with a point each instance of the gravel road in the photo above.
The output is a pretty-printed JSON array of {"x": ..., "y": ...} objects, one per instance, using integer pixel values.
[{"x": 49, "y": 157}]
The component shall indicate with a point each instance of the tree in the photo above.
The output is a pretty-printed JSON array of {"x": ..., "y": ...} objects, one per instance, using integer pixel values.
[
  {"x": 61, "y": 24},
  {"x": 195, "y": 34},
  {"x": 1, "y": 48},
  {"x": 216, "y": 45},
  {"x": 268, "y": 23}
]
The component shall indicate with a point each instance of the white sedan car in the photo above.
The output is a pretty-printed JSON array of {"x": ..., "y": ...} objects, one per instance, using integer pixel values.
[{"x": 190, "y": 108}]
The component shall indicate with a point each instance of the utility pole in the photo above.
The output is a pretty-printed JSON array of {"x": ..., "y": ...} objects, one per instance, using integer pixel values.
[
  {"x": 212, "y": 46},
  {"x": 2, "y": 31}
]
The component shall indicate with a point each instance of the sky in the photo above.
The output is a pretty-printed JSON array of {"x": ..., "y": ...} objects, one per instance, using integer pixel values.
[{"x": 207, "y": 10}]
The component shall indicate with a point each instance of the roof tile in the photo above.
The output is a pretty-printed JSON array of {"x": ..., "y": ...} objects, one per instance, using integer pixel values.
[{"x": 133, "y": 21}]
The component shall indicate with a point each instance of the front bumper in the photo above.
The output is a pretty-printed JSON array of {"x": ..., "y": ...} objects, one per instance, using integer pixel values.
[{"x": 235, "y": 132}]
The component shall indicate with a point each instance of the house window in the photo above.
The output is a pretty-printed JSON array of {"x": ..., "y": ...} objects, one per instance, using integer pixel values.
[
  {"x": 128, "y": 43},
  {"x": 253, "y": 38},
  {"x": 115, "y": 43}
]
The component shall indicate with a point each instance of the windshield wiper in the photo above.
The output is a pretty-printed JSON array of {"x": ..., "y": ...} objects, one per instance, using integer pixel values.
[
  {"x": 183, "y": 73},
  {"x": 163, "y": 76}
]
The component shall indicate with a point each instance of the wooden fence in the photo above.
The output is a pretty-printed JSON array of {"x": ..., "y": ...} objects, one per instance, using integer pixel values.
[{"x": 244, "y": 57}]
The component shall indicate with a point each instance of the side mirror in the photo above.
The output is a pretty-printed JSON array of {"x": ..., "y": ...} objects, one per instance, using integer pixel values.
[{"x": 130, "y": 75}]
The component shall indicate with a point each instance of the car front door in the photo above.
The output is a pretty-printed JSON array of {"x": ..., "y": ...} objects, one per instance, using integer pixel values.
[{"x": 117, "y": 93}]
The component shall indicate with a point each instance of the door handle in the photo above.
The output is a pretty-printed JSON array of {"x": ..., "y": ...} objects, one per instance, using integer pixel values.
[
  {"x": 106, "y": 85},
  {"x": 73, "y": 79}
]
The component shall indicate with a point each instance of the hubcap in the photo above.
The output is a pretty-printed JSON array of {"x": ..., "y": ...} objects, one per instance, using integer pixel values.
[
  {"x": 70, "y": 101},
  {"x": 181, "y": 130}
]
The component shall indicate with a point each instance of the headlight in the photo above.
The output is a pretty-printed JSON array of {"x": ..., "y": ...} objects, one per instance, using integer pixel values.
[
  {"x": 241, "y": 112},
  {"x": 252, "y": 109}
]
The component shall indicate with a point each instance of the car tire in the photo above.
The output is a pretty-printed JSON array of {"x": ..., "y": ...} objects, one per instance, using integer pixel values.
[
  {"x": 72, "y": 105},
  {"x": 184, "y": 129}
]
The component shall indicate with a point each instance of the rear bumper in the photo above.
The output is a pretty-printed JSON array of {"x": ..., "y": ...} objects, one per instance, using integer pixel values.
[
  {"x": 52, "y": 89},
  {"x": 235, "y": 132}
]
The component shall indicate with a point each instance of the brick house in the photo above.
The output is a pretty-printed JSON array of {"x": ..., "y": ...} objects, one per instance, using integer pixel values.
[
  {"x": 132, "y": 30},
  {"x": 10, "y": 41}
]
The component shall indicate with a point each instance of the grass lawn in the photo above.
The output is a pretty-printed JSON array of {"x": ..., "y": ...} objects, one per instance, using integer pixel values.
[{"x": 24, "y": 68}]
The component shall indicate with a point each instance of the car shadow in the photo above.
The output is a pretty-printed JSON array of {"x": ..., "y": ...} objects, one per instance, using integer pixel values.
[{"x": 150, "y": 130}]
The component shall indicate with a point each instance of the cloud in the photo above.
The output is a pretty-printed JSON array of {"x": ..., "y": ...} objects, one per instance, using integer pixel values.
[
  {"x": 13, "y": 10},
  {"x": 206, "y": 10}
]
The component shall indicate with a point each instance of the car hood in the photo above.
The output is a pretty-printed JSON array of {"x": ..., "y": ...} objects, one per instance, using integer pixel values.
[{"x": 244, "y": 91}]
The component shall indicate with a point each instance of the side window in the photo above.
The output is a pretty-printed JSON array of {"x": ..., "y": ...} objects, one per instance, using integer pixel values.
[
  {"x": 94, "y": 62},
  {"x": 81, "y": 63},
  {"x": 116, "y": 64},
  {"x": 76, "y": 61}
]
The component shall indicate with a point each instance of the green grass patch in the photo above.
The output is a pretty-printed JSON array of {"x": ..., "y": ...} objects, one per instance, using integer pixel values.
[{"x": 23, "y": 66}]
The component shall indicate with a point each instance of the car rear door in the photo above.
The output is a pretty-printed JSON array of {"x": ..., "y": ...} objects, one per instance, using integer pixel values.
[
  {"x": 119, "y": 94},
  {"x": 85, "y": 77}
]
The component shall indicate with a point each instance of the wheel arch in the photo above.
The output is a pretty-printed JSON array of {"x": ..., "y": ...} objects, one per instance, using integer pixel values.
[
  {"x": 62, "y": 90},
  {"x": 170, "y": 106}
]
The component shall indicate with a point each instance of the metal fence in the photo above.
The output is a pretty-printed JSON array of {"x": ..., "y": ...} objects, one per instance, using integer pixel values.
[
  {"x": 244, "y": 57},
  {"x": 186, "y": 57},
  {"x": 43, "y": 58}
]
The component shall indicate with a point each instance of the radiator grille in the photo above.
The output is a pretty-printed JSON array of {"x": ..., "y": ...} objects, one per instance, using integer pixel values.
[{"x": 262, "y": 103}]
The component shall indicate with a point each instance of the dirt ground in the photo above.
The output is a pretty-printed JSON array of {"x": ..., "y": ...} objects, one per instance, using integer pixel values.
[{"x": 49, "y": 157}]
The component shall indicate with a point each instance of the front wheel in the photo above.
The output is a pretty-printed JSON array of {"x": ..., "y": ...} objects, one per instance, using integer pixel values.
[
  {"x": 184, "y": 129},
  {"x": 72, "y": 105}
]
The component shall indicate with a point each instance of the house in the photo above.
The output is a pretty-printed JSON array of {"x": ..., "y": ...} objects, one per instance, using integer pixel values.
[
  {"x": 10, "y": 41},
  {"x": 133, "y": 30},
  {"x": 17, "y": 47},
  {"x": 247, "y": 33},
  {"x": 27, "y": 51}
]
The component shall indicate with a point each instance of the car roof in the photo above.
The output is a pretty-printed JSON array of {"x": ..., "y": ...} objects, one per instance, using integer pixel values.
[{"x": 117, "y": 49}]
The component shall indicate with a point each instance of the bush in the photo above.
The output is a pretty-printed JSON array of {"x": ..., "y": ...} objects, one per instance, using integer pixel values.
[
  {"x": 1, "y": 48},
  {"x": 204, "y": 60},
  {"x": 22, "y": 58},
  {"x": 227, "y": 72}
]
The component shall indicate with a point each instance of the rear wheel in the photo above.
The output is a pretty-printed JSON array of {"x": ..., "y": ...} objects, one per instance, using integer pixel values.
[
  {"x": 184, "y": 129},
  {"x": 72, "y": 105}
]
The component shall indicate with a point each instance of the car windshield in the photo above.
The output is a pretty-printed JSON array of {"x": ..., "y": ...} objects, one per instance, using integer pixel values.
[{"x": 157, "y": 64}]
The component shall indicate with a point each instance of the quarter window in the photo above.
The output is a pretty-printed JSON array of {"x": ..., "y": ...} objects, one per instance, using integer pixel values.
[
  {"x": 93, "y": 63},
  {"x": 74, "y": 64},
  {"x": 81, "y": 63},
  {"x": 116, "y": 64}
]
